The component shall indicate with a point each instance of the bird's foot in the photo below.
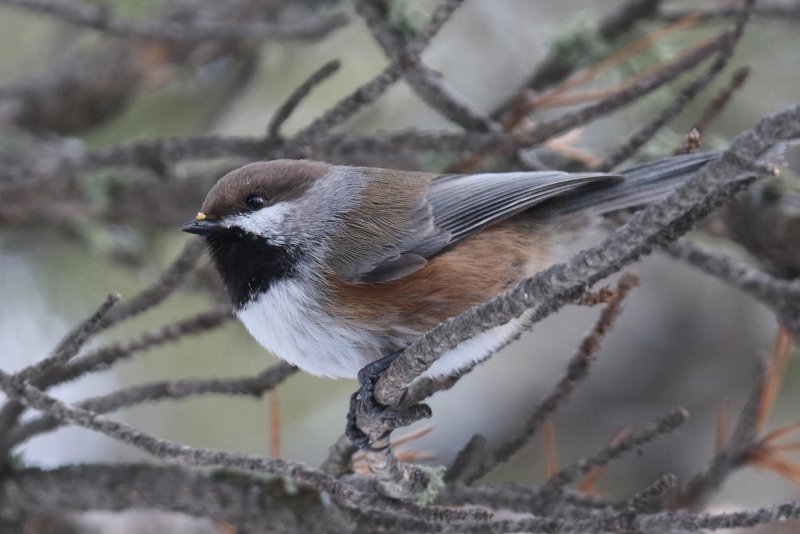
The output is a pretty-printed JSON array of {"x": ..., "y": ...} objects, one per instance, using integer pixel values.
[{"x": 363, "y": 402}]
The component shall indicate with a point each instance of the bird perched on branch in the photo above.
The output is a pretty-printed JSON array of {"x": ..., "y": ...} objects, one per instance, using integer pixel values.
[{"x": 337, "y": 269}]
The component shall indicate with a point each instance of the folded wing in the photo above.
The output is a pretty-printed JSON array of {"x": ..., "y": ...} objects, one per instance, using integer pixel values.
[{"x": 458, "y": 205}]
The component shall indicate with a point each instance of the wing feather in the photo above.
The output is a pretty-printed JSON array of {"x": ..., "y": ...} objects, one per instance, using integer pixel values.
[
  {"x": 464, "y": 204},
  {"x": 455, "y": 207}
]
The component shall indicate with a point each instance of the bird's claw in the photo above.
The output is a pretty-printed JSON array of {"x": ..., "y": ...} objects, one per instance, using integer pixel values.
[{"x": 363, "y": 401}]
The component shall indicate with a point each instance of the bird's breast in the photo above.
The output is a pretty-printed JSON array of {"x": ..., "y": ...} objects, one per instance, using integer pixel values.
[{"x": 288, "y": 321}]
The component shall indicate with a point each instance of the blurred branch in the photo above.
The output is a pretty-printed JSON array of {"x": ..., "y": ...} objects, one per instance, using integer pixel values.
[
  {"x": 780, "y": 296},
  {"x": 686, "y": 95},
  {"x": 253, "y": 386},
  {"x": 556, "y": 65},
  {"x": 100, "y": 18},
  {"x": 753, "y": 151},
  {"x": 367, "y": 93},
  {"x": 163, "y": 287},
  {"x": 286, "y": 109},
  {"x": 159, "y": 153},
  {"x": 87, "y": 88},
  {"x": 262, "y": 503},
  {"x": 766, "y": 222},
  {"x": 663, "y": 425},
  {"x": 425, "y": 82},
  {"x": 659, "y": 224},
  {"x": 71, "y": 344},
  {"x": 721, "y": 100},
  {"x": 577, "y": 371},
  {"x": 777, "y": 9},
  {"x": 732, "y": 456},
  {"x": 172, "y": 277}
]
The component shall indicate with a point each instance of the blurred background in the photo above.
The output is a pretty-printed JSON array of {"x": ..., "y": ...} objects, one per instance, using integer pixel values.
[{"x": 684, "y": 340}]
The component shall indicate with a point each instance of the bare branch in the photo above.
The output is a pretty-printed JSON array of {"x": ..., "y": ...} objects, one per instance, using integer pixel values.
[
  {"x": 260, "y": 503},
  {"x": 555, "y": 67},
  {"x": 687, "y": 94},
  {"x": 104, "y": 357},
  {"x": 777, "y": 9},
  {"x": 286, "y": 109},
  {"x": 253, "y": 386},
  {"x": 558, "y": 285},
  {"x": 700, "y": 488},
  {"x": 99, "y": 18},
  {"x": 69, "y": 346},
  {"x": 149, "y": 297},
  {"x": 425, "y": 82},
  {"x": 167, "y": 450},
  {"x": 721, "y": 100},
  {"x": 649, "y": 498},
  {"x": 627, "y": 522},
  {"x": 663, "y": 425},
  {"x": 166, "y": 284},
  {"x": 781, "y": 296},
  {"x": 372, "y": 90},
  {"x": 577, "y": 371}
]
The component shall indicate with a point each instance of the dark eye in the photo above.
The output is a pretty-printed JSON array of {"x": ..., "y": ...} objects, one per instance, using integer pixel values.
[{"x": 255, "y": 202}]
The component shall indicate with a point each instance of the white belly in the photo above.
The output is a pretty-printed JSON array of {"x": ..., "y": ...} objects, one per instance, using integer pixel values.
[{"x": 287, "y": 323}]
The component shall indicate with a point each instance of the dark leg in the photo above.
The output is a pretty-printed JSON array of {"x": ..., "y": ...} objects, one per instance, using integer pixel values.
[{"x": 367, "y": 378}]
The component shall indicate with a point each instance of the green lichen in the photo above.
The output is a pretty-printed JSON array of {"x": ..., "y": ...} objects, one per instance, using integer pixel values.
[
  {"x": 435, "y": 484},
  {"x": 410, "y": 16},
  {"x": 576, "y": 43}
]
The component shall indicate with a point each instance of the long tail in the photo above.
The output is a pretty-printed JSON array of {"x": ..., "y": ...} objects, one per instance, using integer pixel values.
[{"x": 643, "y": 184}]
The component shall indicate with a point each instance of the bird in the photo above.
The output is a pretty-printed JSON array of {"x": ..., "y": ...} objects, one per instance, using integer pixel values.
[{"x": 336, "y": 269}]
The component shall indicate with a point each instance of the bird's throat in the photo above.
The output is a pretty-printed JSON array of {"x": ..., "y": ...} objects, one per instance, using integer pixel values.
[{"x": 249, "y": 264}]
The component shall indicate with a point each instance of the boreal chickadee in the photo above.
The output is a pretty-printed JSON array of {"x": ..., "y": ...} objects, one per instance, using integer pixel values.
[{"x": 332, "y": 268}]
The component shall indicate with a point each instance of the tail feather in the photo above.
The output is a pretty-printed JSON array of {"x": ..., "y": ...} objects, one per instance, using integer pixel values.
[{"x": 643, "y": 184}]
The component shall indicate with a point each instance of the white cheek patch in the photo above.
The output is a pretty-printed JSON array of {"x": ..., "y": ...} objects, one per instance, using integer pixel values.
[{"x": 266, "y": 222}]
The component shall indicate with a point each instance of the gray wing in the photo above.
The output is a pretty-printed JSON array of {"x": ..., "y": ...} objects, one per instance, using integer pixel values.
[
  {"x": 457, "y": 206},
  {"x": 464, "y": 204}
]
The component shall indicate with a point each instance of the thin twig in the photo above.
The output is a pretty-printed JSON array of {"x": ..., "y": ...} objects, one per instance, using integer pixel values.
[
  {"x": 646, "y": 132},
  {"x": 99, "y": 18},
  {"x": 426, "y": 83},
  {"x": 274, "y": 424},
  {"x": 781, "y": 296},
  {"x": 373, "y": 89},
  {"x": 103, "y": 357},
  {"x": 658, "y": 224},
  {"x": 700, "y": 488},
  {"x": 663, "y": 425},
  {"x": 553, "y": 68},
  {"x": 777, "y": 9},
  {"x": 286, "y": 109},
  {"x": 167, "y": 450},
  {"x": 253, "y": 386},
  {"x": 648, "y": 499},
  {"x": 721, "y": 100},
  {"x": 71, "y": 344},
  {"x": 149, "y": 297},
  {"x": 577, "y": 370},
  {"x": 172, "y": 277}
]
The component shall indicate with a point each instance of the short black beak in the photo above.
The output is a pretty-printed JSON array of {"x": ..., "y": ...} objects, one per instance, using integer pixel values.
[{"x": 204, "y": 227}]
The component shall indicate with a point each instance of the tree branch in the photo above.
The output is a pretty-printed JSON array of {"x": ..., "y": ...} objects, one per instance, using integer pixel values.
[
  {"x": 253, "y": 386},
  {"x": 99, "y": 18},
  {"x": 656, "y": 225}
]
